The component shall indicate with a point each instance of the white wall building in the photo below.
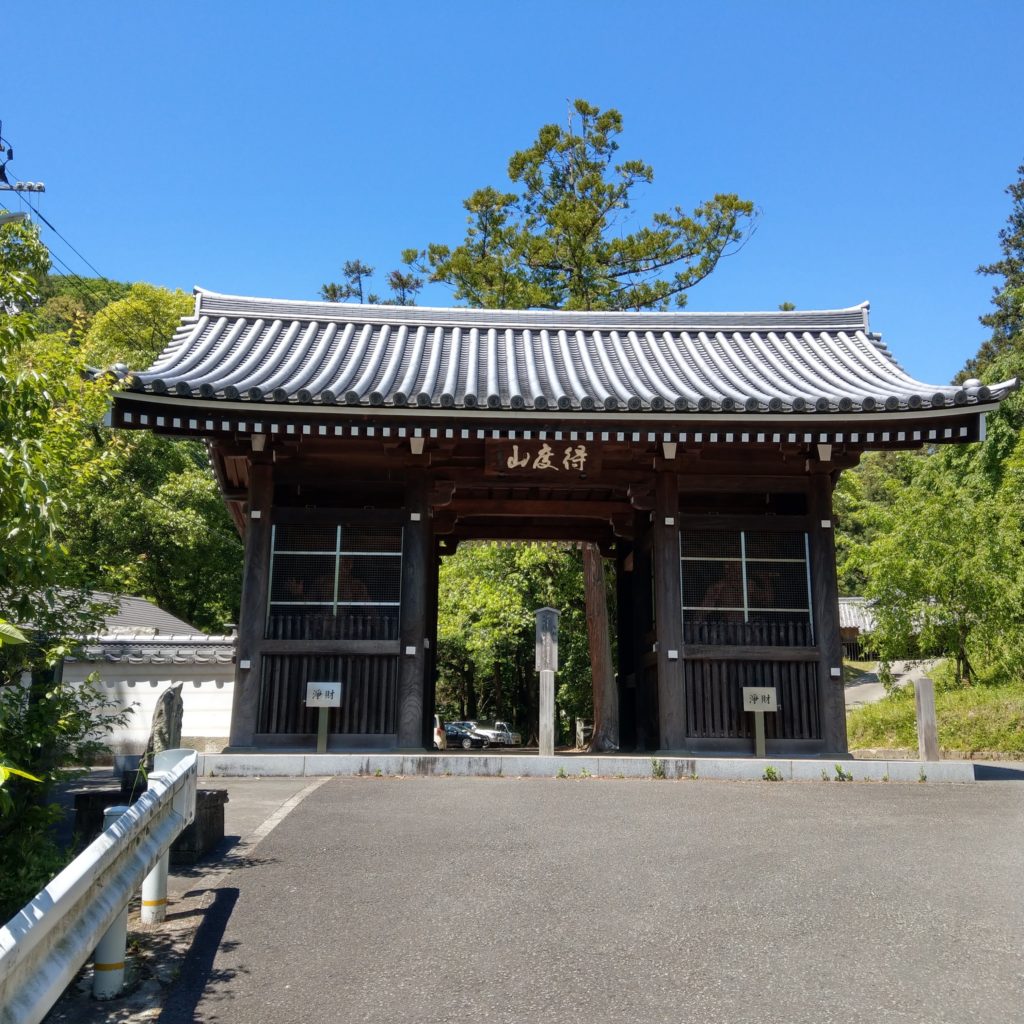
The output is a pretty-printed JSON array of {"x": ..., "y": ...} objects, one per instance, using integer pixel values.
[{"x": 142, "y": 651}]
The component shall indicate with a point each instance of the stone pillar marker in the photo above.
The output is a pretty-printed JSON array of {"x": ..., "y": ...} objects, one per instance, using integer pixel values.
[
  {"x": 547, "y": 665},
  {"x": 927, "y": 727}
]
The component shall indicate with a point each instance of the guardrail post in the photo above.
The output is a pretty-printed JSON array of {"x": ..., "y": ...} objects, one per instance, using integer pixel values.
[
  {"x": 83, "y": 912},
  {"x": 154, "y": 886},
  {"x": 108, "y": 960},
  {"x": 154, "y": 893}
]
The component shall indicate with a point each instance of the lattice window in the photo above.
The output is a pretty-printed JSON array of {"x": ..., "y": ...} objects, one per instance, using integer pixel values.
[
  {"x": 746, "y": 587},
  {"x": 335, "y": 582}
]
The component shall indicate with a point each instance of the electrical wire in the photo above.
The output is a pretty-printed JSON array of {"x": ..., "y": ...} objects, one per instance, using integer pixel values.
[
  {"x": 156, "y": 328},
  {"x": 39, "y": 214}
]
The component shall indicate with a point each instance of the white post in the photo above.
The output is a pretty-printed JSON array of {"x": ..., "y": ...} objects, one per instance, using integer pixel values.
[
  {"x": 759, "y": 734},
  {"x": 547, "y": 665},
  {"x": 927, "y": 727},
  {"x": 547, "y": 713},
  {"x": 154, "y": 892},
  {"x": 108, "y": 960}
]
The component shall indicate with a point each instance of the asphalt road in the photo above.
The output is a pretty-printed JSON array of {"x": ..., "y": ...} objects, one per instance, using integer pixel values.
[{"x": 500, "y": 900}]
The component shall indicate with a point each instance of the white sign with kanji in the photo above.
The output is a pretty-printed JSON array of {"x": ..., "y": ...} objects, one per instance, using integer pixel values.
[
  {"x": 323, "y": 695},
  {"x": 760, "y": 698},
  {"x": 553, "y": 459}
]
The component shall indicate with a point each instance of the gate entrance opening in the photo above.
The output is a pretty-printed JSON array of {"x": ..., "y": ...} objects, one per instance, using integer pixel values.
[{"x": 486, "y": 668}]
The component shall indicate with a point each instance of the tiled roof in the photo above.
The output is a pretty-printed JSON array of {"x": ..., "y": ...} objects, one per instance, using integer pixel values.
[
  {"x": 856, "y": 613},
  {"x": 140, "y": 632},
  {"x": 147, "y": 649},
  {"x": 244, "y": 350},
  {"x": 136, "y": 615}
]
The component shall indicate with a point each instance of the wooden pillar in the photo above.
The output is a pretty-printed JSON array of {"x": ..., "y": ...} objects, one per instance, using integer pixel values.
[
  {"x": 626, "y": 672},
  {"x": 416, "y": 578},
  {"x": 430, "y": 668},
  {"x": 645, "y": 694},
  {"x": 825, "y": 595},
  {"x": 668, "y": 612},
  {"x": 606, "y": 698},
  {"x": 252, "y": 619}
]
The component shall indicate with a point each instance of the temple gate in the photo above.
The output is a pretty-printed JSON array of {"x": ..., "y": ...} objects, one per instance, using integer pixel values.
[{"x": 355, "y": 446}]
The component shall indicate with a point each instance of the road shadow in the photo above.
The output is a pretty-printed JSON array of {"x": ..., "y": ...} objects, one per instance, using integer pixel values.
[
  {"x": 198, "y": 971},
  {"x": 997, "y": 773}
]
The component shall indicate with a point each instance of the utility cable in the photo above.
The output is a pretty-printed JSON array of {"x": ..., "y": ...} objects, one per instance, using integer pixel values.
[{"x": 156, "y": 328}]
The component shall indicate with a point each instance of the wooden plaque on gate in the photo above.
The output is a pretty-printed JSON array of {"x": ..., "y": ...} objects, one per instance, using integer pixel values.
[{"x": 536, "y": 459}]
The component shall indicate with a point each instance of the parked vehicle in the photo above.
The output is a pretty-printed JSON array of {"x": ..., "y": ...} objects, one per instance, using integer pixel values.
[
  {"x": 500, "y": 734},
  {"x": 440, "y": 740},
  {"x": 457, "y": 735}
]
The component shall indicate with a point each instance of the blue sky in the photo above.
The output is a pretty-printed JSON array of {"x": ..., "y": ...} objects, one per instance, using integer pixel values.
[{"x": 253, "y": 147}]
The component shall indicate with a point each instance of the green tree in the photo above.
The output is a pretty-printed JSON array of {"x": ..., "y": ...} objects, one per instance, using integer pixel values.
[
  {"x": 488, "y": 594},
  {"x": 156, "y": 526},
  {"x": 39, "y": 583},
  {"x": 1006, "y": 319},
  {"x": 356, "y": 275},
  {"x": 68, "y": 302},
  {"x": 938, "y": 571},
  {"x": 134, "y": 329},
  {"x": 936, "y": 538},
  {"x": 558, "y": 242},
  {"x": 140, "y": 513},
  {"x": 44, "y": 726}
]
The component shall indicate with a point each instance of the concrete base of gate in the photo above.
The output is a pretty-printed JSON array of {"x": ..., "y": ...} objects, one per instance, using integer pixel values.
[{"x": 656, "y": 766}]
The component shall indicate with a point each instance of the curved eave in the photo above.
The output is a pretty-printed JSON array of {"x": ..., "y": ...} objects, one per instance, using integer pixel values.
[
  {"x": 320, "y": 356},
  {"x": 481, "y": 418}
]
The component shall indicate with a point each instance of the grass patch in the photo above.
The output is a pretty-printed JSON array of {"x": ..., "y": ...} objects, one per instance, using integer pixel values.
[{"x": 988, "y": 716}]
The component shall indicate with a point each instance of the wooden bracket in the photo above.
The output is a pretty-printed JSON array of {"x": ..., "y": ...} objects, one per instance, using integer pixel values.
[
  {"x": 623, "y": 526},
  {"x": 641, "y": 496},
  {"x": 441, "y": 493}
]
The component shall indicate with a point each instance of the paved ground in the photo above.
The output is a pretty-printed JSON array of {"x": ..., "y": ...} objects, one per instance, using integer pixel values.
[
  {"x": 411, "y": 900},
  {"x": 867, "y": 689}
]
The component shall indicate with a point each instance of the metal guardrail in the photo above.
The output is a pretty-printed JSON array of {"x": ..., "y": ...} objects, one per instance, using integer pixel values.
[{"x": 46, "y": 943}]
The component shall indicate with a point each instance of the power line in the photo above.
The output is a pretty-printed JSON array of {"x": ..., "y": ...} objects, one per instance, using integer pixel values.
[
  {"x": 36, "y": 211},
  {"x": 156, "y": 328},
  {"x": 84, "y": 290}
]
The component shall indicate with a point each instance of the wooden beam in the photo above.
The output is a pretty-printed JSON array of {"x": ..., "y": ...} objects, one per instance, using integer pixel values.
[
  {"x": 253, "y": 617},
  {"x": 709, "y": 652},
  {"x": 726, "y": 521},
  {"x": 668, "y": 613},
  {"x": 466, "y": 507},
  {"x": 417, "y": 552},
  {"x": 625, "y": 669},
  {"x": 328, "y": 647},
  {"x": 742, "y": 482},
  {"x": 606, "y": 700},
  {"x": 441, "y": 493},
  {"x": 645, "y": 693},
  {"x": 825, "y": 595},
  {"x": 561, "y": 531},
  {"x": 283, "y": 514}
]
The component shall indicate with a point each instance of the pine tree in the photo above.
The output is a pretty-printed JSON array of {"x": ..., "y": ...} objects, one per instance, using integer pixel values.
[{"x": 1007, "y": 317}]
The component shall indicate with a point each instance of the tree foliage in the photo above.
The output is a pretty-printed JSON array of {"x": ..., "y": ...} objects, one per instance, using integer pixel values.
[
  {"x": 936, "y": 539},
  {"x": 44, "y": 725},
  {"x": 560, "y": 240},
  {"x": 47, "y": 729},
  {"x": 356, "y": 276},
  {"x": 488, "y": 595},
  {"x": 40, "y": 585},
  {"x": 143, "y": 513},
  {"x": 1006, "y": 319}
]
